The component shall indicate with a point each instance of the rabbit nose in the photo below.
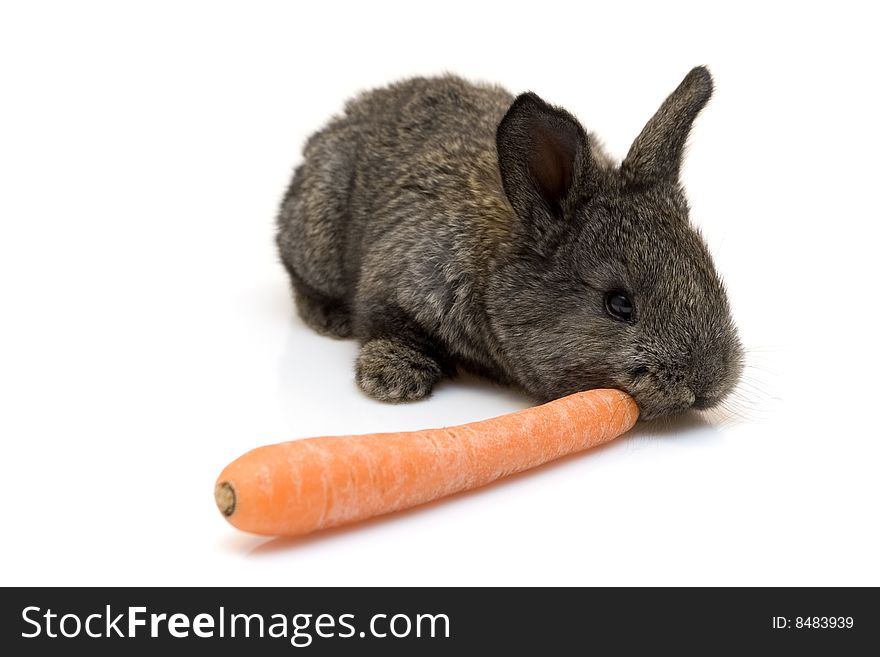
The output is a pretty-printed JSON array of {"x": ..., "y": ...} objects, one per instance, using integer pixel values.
[
  {"x": 689, "y": 397},
  {"x": 704, "y": 401}
]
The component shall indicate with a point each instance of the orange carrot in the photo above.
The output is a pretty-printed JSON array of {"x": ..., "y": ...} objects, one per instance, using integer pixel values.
[{"x": 300, "y": 486}]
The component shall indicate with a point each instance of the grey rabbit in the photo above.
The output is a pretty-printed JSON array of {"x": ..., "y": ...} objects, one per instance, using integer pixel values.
[{"x": 446, "y": 225}]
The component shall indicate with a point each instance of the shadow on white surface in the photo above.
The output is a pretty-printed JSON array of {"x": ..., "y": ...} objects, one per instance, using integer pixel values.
[{"x": 691, "y": 427}]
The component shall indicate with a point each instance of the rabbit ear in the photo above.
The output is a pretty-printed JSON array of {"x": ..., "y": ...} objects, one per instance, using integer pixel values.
[
  {"x": 656, "y": 154},
  {"x": 543, "y": 156}
]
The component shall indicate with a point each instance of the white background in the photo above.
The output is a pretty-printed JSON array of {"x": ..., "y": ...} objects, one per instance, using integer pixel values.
[{"x": 148, "y": 338}]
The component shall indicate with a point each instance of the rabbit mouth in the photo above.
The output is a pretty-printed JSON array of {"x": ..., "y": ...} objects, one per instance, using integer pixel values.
[
  {"x": 652, "y": 411},
  {"x": 656, "y": 400}
]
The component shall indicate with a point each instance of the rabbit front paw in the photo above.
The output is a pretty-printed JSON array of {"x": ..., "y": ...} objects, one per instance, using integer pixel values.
[{"x": 394, "y": 371}]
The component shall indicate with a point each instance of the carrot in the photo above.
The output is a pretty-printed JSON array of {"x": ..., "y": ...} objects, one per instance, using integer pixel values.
[{"x": 300, "y": 486}]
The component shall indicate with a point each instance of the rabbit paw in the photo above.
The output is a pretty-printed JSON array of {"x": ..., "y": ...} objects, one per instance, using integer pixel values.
[{"x": 395, "y": 371}]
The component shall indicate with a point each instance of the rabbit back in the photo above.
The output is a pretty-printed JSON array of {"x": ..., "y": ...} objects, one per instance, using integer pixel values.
[{"x": 399, "y": 201}]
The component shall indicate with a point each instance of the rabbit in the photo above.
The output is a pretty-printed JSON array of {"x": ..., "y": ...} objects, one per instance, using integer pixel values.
[{"x": 447, "y": 225}]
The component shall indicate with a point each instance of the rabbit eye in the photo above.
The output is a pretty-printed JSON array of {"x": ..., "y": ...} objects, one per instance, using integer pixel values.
[{"x": 619, "y": 305}]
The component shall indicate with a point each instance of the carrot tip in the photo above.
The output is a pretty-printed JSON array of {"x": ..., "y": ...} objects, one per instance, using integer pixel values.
[{"x": 224, "y": 495}]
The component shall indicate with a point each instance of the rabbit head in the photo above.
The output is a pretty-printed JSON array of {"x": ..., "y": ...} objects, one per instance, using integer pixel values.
[{"x": 604, "y": 282}]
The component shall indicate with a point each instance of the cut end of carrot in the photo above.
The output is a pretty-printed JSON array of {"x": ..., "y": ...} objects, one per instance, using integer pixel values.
[{"x": 224, "y": 495}]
